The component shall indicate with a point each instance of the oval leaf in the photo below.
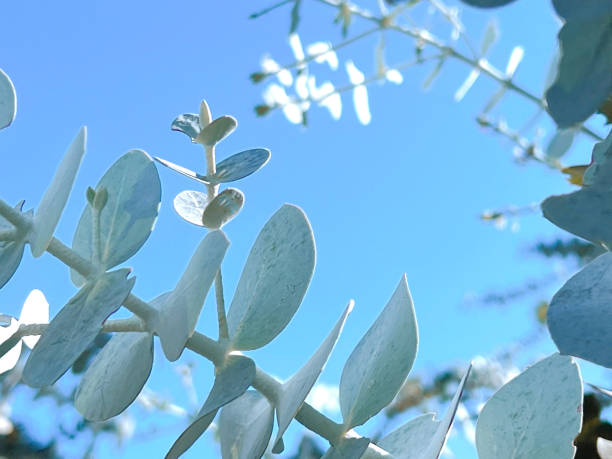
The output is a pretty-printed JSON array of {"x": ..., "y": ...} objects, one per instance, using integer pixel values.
[
  {"x": 127, "y": 219},
  {"x": 116, "y": 376},
  {"x": 8, "y": 100},
  {"x": 295, "y": 390},
  {"x": 11, "y": 252},
  {"x": 245, "y": 426},
  {"x": 54, "y": 200},
  {"x": 560, "y": 143},
  {"x": 180, "y": 309},
  {"x": 231, "y": 381},
  {"x": 10, "y": 346},
  {"x": 240, "y": 165},
  {"x": 188, "y": 124},
  {"x": 274, "y": 279},
  {"x": 190, "y": 206},
  {"x": 35, "y": 310},
  {"x": 223, "y": 208},
  {"x": 584, "y": 79},
  {"x": 537, "y": 414},
  {"x": 184, "y": 171},
  {"x": 579, "y": 314},
  {"x": 75, "y": 327},
  {"x": 217, "y": 130},
  {"x": 379, "y": 364}
]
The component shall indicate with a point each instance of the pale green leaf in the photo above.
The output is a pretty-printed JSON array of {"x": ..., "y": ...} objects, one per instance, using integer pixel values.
[
  {"x": 54, "y": 200},
  {"x": 412, "y": 439},
  {"x": 216, "y": 131},
  {"x": 245, "y": 426},
  {"x": 116, "y": 376},
  {"x": 348, "y": 448},
  {"x": 11, "y": 252},
  {"x": 490, "y": 36},
  {"x": 231, "y": 381},
  {"x": 8, "y": 100},
  {"x": 379, "y": 364},
  {"x": 180, "y": 310},
  {"x": 560, "y": 143},
  {"x": 190, "y": 206},
  {"x": 223, "y": 208},
  {"x": 75, "y": 327},
  {"x": 537, "y": 414},
  {"x": 184, "y": 171},
  {"x": 274, "y": 279},
  {"x": 127, "y": 219}
]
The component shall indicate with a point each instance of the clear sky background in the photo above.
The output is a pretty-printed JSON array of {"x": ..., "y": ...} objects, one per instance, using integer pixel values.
[{"x": 401, "y": 195}]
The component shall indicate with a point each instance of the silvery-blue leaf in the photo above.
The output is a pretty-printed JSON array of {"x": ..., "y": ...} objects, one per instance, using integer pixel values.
[
  {"x": 223, "y": 208},
  {"x": 116, "y": 376},
  {"x": 187, "y": 123},
  {"x": 231, "y": 381},
  {"x": 487, "y": 3},
  {"x": 180, "y": 310},
  {"x": 11, "y": 252},
  {"x": 587, "y": 212},
  {"x": 245, "y": 426},
  {"x": 127, "y": 219},
  {"x": 190, "y": 206},
  {"x": 10, "y": 346},
  {"x": 437, "y": 442},
  {"x": 584, "y": 79},
  {"x": 75, "y": 327},
  {"x": 411, "y": 439},
  {"x": 348, "y": 448},
  {"x": 274, "y": 279},
  {"x": 217, "y": 130},
  {"x": 240, "y": 165},
  {"x": 295, "y": 390},
  {"x": 579, "y": 316},
  {"x": 560, "y": 143},
  {"x": 379, "y": 364},
  {"x": 184, "y": 171},
  {"x": 54, "y": 200},
  {"x": 8, "y": 100},
  {"x": 537, "y": 414}
]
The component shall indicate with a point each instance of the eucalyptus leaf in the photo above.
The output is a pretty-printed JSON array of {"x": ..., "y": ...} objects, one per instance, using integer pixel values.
[
  {"x": 116, "y": 376},
  {"x": 274, "y": 279},
  {"x": 584, "y": 79},
  {"x": 231, "y": 381},
  {"x": 245, "y": 426},
  {"x": 188, "y": 124},
  {"x": 295, "y": 390},
  {"x": 180, "y": 310},
  {"x": 240, "y": 165},
  {"x": 490, "y": 36},
  {"x": 11, "y": 252},
  {"x": 75, "y": 327},
  {"x": 601, "y": 390},
  {"x": 128, "y": 217},
  {"x": 560, "y": 143},
  {"x": 410, "y": 440},
  {"x": 348, "y": 448},
  {"x": 10, "y": 346},
  {"x": 182, "y": 170},
  {"x": 588, "y": 212},
  {"x": 54, "y": 200},
  {"x": 190, "y": 206},
  {"x": 223, "y": 208},
  {"x": 379, "y": 364},
  {"x": 579, "y": 315},
  {"x": 8, "y": 100},
  {"x": 487, "y": 3},
  {"x": 205, "y": 116},
  {"x": 537, "y": 414},
  {"x": 216, "y": 131}
]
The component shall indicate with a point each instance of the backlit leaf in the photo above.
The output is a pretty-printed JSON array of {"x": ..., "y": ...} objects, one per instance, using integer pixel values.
[
  {"x": 584, "y": 79},
  {"x": 240, "y": 165},
  {"x": 188, "y": 124},
  {"x": 180, "y": 309},
  {"x": 116, "y": 376},
  {"x": 537, "y": 414},
  {"x": 245, "y": 426},
  {"x": 75, "y": 327},
  {"x": 379, "y": 364},
  {"x": 35, "y": 310},
  {"x": 127, "y": 219},
  {"x": 223, "y": 208},
  {"x": 8, "y": 100},
  {"x": 190, "y": 206},
  {"x": 11, "y": 252},
  {"x": 54, "y": 200},
  {"x": 217, "y": 130},
  {"x": 231, "y": 381},
  {"x": 274, "y": 279}
]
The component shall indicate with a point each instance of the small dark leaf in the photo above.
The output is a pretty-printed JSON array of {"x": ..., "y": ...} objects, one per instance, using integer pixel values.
[
  {"x": 487, "y": 3},
  {"x": 188, "y": 123},
  {"x": 295, "y": 16}
]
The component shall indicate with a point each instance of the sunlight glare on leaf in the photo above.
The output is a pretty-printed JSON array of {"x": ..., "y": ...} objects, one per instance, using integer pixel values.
[{"x": 35, "y": 310}]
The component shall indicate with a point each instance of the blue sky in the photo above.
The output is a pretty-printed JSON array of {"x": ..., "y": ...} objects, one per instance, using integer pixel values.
[{"x": 402, "y": 194}]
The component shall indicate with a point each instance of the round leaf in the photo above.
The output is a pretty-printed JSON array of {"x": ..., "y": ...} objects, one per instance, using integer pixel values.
[
  {"x": 75, "y": 327},
  {"x": 190, "y": 206},
  {"x": 217, "y": 130},
  {"x": 537, "y": 414},
  {"x": 223, "y": 208},
  {"x": 8, "y": 100},
  {"x": 240, "y": 165},
  {"x": 116, "y": 376},
  {"x": 127, "y": 219},
  {"x": 274, "y": 279},
  {"x": 379, "y": 364}
]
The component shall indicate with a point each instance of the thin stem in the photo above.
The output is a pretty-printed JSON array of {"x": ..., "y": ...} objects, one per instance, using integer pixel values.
[
  {"x": 223, "y": 330},
  {"x": 269, "y": 8},
  {"x": 211, "y": 168},
  {"x": 21, "y": 222},
  {"x": 95, "y": 231},
  {"x": 9, "y": 235},
  {"x": 481, "y": 64},
  {"x": 133, "y": 324}
]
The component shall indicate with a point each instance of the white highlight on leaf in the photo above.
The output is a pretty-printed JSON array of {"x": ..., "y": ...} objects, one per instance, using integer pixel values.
[
  {"x": 270, "y": 66},
  {"x": 326, "y": 96},
  {"x": 9, "y": 360},
  {"x": 515, "y": 59},
  {"x": 467, "y": 84},
  {"x": 293, "y": 113},
  {"x": 275, "y": 95},
  {"x": 325, "y": 54},
  {"x": 301, "y": 86},
  {"x": 296, "y": 46},
  {"x": 35, "y": 310},
  {"x": 355, "y": 75},
  {"x": 394, "y": 76}
]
